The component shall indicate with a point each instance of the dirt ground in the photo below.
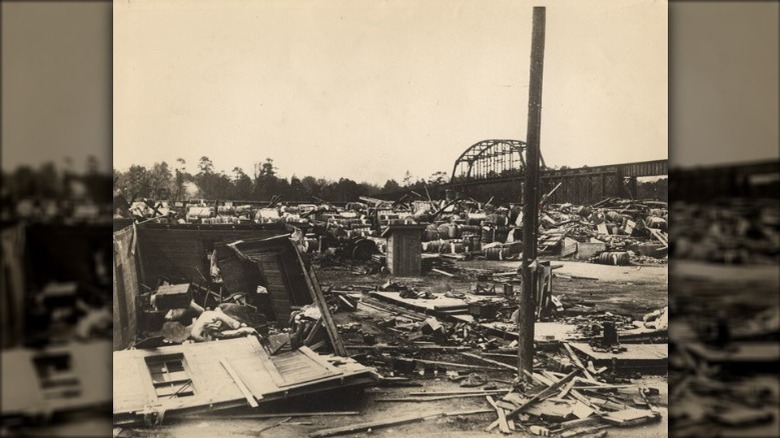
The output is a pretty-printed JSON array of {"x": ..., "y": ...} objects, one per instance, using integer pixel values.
[{"x": 628, "y": 290}]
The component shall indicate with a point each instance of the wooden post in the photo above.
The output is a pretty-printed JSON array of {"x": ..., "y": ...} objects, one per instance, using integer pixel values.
[
  {"x": 319, "y": 300},
  {"x": 525, "y": 351}
]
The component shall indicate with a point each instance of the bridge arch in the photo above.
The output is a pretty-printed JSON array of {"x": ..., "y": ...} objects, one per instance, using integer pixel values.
[{"x": 491, "y": 159}]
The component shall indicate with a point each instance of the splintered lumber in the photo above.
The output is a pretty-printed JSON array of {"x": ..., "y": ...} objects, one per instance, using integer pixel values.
[
  {"x": 239, "y": 383},
  {"x": 567, "y": 388},
  {"x": 315, "y": 330},
  {"x": 644, "y": 397},
  {"x": 503, "y": 426},
  {"x": 359, "y": 427},
  {"x": 659, "y": 235},
  {"x": 348, "y": 303},
  {"x": 542, "y": 394},
  {"x": 577, "y": 360},
  {"x": 319, "y": 299},
  {"x": 550, "y": 377},
  {"x": 494, "y": 362}
]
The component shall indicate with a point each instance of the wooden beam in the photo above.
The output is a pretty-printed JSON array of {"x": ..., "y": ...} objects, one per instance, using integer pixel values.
[
  {"x": 240, "y": 383},
  {"x": 319, "y": 300},
  {"x": 494, "y": 362},
  {"x": 427, "y": 399},
  {"x": 282, "y": 415},
  {"x": 542, "y": 394},
  {"x": 479, "y": 392},
  {"x": 451, "y": 364},
  {"x": 503, "y": 426},
  {"x": 577, "y": 360}
]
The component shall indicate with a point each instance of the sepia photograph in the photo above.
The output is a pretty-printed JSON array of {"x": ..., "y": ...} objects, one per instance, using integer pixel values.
[{"x": 444, "y": 218}]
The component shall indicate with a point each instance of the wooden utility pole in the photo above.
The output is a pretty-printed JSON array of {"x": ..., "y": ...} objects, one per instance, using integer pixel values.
[{"x": 527, "y": 314}]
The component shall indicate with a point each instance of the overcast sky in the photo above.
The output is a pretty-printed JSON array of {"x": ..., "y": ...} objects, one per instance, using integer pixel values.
[
  {"x": 371, "y": 93},
  {"x": 56, "y": 91},
  {"x": 724, "y": 95},
  {"x": 368, "y": 90}
]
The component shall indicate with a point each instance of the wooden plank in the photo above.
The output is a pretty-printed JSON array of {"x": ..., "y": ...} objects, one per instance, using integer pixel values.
[
  {"x": 503, "y": 427},
  {"x": 567, "y": 388},
  {"x": 478, "y": 392},
  {"x": 451, "y": 364},
  {"x": 577, "y": 360},
  {"x": 555, "y": 387},
  {"x": 439, "y": 271},
  {"x": 315, "y": 330},
  {"x": 319, "y": 359},
  {"x": 240, "y": 383},
  {"x": 319, "y": 300},
  {"x": 296, "y": 367},
  {"x": 631, "y": 417},
  {"x": 649, "y": 352},
  {"x": 426, "y": 399},
  {"x": 494, "y": 362},
  {"x": 270, "y": 368},
  {"x": 661, "y": 238},
  {"x": 282, "y": 415},
  {"x": 573, "y": 392}
]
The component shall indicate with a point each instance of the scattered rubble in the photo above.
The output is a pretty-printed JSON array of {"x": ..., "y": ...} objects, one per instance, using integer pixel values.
[{"x": 418, "y": 305}]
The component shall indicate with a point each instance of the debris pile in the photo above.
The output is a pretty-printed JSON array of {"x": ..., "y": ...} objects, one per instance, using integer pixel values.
[
  {"x": 413, "y": 295},
  {"x": 737, "y": 231},
  {"x": 613, "y": 231}
]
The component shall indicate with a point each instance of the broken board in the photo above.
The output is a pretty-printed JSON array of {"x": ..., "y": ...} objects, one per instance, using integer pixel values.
[
  {"x": 753, "y": 356},
  {"x": 646, "y": 357},
  {"x": 191, "y": 378},
  {"x": 55, "y": 379}
]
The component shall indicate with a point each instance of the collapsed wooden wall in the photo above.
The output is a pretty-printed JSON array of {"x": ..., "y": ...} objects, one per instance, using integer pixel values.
[
  {"x": 62, "y": 253},
  {"x": 179, "y": 252},
  {"x": 12, "y": 289},
  {"x": 126, "y": 288}
]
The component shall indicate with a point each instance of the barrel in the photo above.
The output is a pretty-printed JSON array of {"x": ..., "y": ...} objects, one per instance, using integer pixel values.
[
  {"x": 472, "y": 229},
  {"x": 493, "y": 254},
  {"x": 429, "y": 235},
  {"x": 614, "y": 258},
  {"x": 457, "y": 247},
  {"x": 473, "y": 242},
  {"x": 434, "y": 246}
]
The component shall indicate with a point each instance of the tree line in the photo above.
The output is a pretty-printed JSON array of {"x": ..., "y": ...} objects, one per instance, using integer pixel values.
[
  {"x": 48, "y": 182},
  {"x": 163, "y": 181}
]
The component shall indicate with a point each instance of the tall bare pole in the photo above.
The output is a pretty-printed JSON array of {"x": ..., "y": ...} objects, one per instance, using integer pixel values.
[{"x": 527, "y": 316}]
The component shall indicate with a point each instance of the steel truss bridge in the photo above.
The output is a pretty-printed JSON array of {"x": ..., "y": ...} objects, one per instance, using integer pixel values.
[{"x": 499, "y": 165}]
